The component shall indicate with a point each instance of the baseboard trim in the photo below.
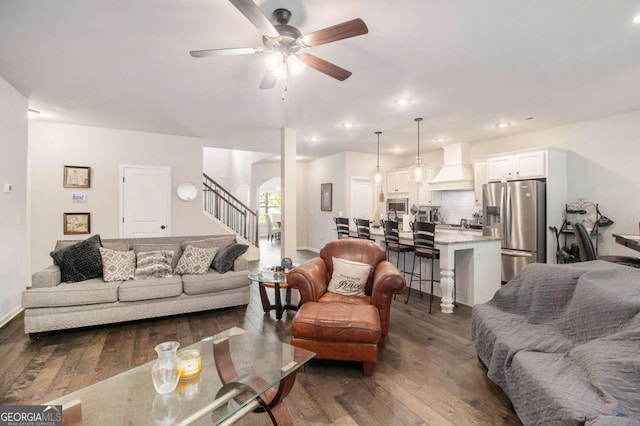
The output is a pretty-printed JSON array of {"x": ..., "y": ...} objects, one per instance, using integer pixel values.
[
  {"x": 315, "y": 250},
  {"x": 11, "y": 315}
]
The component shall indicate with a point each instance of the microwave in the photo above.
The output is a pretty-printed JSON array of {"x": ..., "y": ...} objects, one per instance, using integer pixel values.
[{"x": 399, "y": 205}]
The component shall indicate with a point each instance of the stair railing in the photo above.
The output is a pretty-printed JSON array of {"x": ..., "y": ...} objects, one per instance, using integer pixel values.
[{"x": 232, "y": 212}]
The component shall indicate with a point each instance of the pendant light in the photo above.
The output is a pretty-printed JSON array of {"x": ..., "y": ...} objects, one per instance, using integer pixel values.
[
  {"x": 377, "y": 174},
  {"x": 417, "y": 172}
]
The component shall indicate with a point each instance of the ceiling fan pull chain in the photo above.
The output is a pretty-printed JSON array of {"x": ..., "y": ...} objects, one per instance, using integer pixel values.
[{"x": 284, "y": 89}]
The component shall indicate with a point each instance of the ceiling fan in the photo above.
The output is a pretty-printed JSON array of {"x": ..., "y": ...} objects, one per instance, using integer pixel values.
[{"x": 283, "y": 42}]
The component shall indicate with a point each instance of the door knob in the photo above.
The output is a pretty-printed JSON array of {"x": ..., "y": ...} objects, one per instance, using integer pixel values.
[{"x": 162, "y": 227}]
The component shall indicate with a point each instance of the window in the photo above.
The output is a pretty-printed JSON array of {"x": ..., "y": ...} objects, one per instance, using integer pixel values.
[{"x": 270, "y": 202}]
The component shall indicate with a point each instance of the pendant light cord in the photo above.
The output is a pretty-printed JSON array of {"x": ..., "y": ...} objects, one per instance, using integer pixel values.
[
  {"x": 378, "y": 160},
  {"x": 418, "y": 120}
]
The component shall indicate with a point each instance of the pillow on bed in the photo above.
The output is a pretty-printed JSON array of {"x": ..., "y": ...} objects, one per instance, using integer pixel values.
[
  {"x": 349, "y": 278},
  {"x": 80, "y": 261}
]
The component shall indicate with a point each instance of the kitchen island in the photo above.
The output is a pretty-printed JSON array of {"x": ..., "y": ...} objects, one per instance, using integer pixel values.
[{"x": 474, "y": 258}]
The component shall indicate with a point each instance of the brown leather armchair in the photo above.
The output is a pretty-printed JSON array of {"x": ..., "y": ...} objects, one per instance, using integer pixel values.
[{"x": 312, "y": 278}]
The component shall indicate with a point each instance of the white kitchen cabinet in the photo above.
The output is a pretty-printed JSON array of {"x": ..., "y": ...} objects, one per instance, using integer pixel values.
[
  {"x": 426, "y": 197},
  {"x": 479, "y": 179},
  {"x": 522, "y": 165},
  {"x": 398, "y": 182}
]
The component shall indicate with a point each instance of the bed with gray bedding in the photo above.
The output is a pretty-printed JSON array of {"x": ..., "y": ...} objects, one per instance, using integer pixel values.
[{"x": 563, "y": 342}]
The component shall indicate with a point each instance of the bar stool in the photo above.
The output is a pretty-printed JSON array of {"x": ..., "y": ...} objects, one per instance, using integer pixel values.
[
  {"x": 392, "y": 243},
  {"x": 342, "y": 226},
  {"x": 362, "y": 227},
  {"x": 424, "y": 246}
]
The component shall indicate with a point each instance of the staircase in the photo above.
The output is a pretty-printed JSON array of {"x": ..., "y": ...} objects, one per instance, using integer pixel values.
[{"x": 219, "y": 203}]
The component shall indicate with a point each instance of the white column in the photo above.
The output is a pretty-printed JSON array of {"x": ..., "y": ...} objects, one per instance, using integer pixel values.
[{"x": 288, "y": 177}]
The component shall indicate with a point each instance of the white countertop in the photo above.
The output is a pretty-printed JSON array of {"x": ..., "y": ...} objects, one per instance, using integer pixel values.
[{"x": 448, "y": 235}]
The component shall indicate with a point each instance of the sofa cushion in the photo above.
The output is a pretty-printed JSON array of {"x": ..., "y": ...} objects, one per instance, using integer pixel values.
[
  {"x": 195, "y": 260},
  {"x": 92, "y": 291},
  {"x": 80, "y": 261},
  {"x": 336, "y": 322},
  {"x": 349, "y": 278},
  {"x": 225, "y": 258},
  {"x": 118, "y": 265},
  {"x": 153, "y": 264},
  {"x": 174, "y": 247},
  {"x": 330, "y": 297},
  {"x": 214, "y": 281},
  {"x": 150, "y": 288}
]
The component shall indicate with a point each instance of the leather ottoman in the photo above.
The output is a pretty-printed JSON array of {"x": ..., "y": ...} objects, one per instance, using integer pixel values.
[{"x": 338, "y": 331}]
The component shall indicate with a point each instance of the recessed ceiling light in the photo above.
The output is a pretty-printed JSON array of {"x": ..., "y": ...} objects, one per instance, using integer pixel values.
[
  {"x": 314, "y": 139},
  {"x": 441, "y": 140},
  {"x": 32, "y": 114},
  {"x": 636, "y": 20},
  {"x": 503, "y": 124},
  {"x": 402, "y": 101},
  {"x": 348, "y": 124}
]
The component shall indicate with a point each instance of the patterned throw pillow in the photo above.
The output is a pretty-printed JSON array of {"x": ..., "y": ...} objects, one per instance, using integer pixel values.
[
  {"x": 153, "y": 264},
  {"x": 80, "y": 261},
  {"x": 195, "y": 260},
  {"x": 349, "y": 278},
  {"x": 118, "y": 265},
  {"x": 226, "y": 257}
]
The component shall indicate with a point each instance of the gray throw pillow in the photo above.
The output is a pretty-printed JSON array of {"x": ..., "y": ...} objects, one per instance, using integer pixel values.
[
  {"x": 153, "y": 264},
  {"x": 174, "y": 247},
  {"x": 80, "y": 261},
  {"x": 223, "y": 262}
]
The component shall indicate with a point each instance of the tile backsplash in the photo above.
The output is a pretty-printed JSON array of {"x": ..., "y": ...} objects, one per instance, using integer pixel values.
[{"x": 458, "y": 205}]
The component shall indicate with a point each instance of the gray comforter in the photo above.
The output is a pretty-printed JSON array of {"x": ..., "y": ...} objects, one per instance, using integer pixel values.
[{"x": 563, "y": 342}]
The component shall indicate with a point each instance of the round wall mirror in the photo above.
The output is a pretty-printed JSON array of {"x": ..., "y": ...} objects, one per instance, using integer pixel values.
[{"x": 187, "y": 191}]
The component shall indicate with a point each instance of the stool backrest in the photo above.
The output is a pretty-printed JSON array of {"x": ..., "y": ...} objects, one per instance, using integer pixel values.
[
  {"x": 424, "y": 238},
  {"x": 342, "y": 226},
  {"x": 391, "y": 233},
  {"x": 362, "y": 226}
]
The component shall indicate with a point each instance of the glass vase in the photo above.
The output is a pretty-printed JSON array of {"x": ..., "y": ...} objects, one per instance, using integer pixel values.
[{"x": 166, "y": 370}]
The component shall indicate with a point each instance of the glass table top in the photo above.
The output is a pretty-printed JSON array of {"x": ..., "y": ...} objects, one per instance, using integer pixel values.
[
  {"x": 130, "y": 397},
  {"x": 268, "y": 275}
]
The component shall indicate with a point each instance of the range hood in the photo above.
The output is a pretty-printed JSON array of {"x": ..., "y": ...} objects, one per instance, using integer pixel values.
[{"x": 456, "y": 173}]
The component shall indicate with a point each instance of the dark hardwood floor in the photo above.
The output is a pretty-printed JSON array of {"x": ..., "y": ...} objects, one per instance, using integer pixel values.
[{"x": 428, "y": 372}]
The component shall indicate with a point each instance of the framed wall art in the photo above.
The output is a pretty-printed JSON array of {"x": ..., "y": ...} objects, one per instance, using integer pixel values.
[
  {"x": 325, "y": 197},
  {"x": 76, "y": 223},
  {"x": 77, "y": 177}
]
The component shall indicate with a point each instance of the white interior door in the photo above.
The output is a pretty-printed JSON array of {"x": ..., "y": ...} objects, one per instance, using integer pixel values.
[
  {"x": 361, "y": 198},
  {"x": 145, "y": 201}
]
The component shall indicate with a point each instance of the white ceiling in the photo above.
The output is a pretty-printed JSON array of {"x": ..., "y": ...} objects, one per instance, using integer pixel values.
[{"x": 465, "y": 64}]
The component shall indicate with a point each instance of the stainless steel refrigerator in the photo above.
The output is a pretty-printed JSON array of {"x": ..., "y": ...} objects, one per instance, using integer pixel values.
[{"x": 516, "y": 212}]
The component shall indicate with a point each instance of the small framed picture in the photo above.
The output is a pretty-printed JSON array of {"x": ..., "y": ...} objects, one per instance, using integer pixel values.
[
  {"x": 325, "y": 197},
  {"x": 77, "y": 177},
  {"x": 78, "y": 197},
  {"x": 76, "y": 223}
]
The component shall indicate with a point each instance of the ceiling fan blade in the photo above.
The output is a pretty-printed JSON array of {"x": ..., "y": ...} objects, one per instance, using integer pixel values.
[
  {"x": 347, "y": 29},
  {"x": 225, "y": 52},
  {"x": 325, "y": 67},
  {"x": 253, "y": 13},
  {"x": 268, "y": 81}
]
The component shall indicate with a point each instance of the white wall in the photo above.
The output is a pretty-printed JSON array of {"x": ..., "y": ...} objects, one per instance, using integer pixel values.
[
  {"x": 14, "y": 267},
  {"x": 232, "y": 169},
  {"x": 602, "y": 168},
  {"x": 53, "y": 145}
]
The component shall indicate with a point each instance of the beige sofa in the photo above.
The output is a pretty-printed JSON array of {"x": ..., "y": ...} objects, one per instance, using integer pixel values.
[{"x": 52, "y": 305}]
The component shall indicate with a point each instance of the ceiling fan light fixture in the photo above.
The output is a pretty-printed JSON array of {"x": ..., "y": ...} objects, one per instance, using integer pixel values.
[
  {"x": 417, "y": 172},
  {"x": 296, "y": 66},
  {"x": 275, "y": 61}
]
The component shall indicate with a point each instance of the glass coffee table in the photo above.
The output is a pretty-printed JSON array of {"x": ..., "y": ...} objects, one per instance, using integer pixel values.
[
  {"x": 240, "y": 374},
  {"x": 277, "y": 280}
]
